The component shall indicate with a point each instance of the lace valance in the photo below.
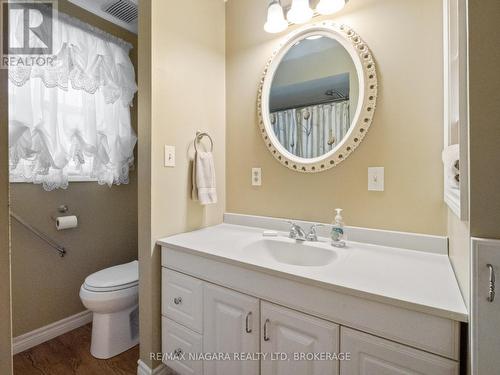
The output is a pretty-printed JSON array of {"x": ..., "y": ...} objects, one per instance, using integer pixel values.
[{"x": 84, "y": 57}]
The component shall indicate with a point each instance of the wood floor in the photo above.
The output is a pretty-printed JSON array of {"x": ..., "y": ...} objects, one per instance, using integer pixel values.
[{"x": 70, "y": 354}]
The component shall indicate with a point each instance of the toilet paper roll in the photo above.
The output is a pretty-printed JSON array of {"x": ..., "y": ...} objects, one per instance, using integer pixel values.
[{"x": 66, "y": 222}]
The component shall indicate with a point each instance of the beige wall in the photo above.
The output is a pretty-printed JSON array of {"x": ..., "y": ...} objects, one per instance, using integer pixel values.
[
  {"x": 106, "y": 236},
  {"x": 187, "y": 88},
  {"x": 459, "y": 252},
  {"x": 484, "y": 137},
  {"x": 148, "y": 258},
  {"x": 406, "y": 137},
  {"x": 5, "y": 304}
]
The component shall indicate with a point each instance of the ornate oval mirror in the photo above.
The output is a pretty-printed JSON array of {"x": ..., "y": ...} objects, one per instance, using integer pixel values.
[{"x": 317, "y": 97}]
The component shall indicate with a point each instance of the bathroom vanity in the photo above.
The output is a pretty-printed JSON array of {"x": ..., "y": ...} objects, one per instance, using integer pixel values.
[
  {"x": 248, "y": 303},
  {"x": 386, "y": 303}
]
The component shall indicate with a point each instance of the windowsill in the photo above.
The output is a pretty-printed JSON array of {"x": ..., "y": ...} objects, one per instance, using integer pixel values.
[{"x": 70, "y": 179}]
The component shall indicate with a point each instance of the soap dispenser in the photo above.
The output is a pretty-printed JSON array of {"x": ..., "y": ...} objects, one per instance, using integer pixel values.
[{"x": 338, "y": 229}]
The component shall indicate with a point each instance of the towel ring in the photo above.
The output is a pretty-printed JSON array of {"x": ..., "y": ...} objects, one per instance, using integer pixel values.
[{"x": 199, "y": 137}]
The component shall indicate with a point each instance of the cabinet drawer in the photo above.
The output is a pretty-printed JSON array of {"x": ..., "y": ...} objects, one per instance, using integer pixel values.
[
  {"x": 182, "y": 299},
  {"x": 372, "y": 355},
  {"x": 178, "y": 343}
]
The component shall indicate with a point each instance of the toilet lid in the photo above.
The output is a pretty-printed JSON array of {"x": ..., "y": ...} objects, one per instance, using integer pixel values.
[{"x": 113, "y": 278}]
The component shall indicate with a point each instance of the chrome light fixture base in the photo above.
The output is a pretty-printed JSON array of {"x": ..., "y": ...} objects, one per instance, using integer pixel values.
[{"x": 299, "y": 12}]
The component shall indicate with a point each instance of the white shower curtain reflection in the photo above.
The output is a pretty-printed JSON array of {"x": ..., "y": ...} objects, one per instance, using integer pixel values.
[{"x": 312, "y": 131}]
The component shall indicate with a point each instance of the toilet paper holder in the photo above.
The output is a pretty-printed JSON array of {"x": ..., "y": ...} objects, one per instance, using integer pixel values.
[{"x": 62, "y": 209}]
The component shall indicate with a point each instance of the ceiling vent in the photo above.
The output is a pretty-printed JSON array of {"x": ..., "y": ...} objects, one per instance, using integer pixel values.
[
  {"x": 125, "y": 10},
  {"x": 123, "y": 13}
]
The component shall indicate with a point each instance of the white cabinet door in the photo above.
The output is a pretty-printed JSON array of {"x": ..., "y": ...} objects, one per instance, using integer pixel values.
[
  {"x": 370, "y": 355},
  {"x": 296, "y": 334},
  {"x": 231, "y": 322},
  {"x": 485, "y": 306}
]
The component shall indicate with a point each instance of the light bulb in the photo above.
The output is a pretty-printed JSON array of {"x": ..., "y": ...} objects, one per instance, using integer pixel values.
[
  {"x": 330, "y": 6},
  {"x": 300, "y": 12},
  {"x": 276, "y": 22}
]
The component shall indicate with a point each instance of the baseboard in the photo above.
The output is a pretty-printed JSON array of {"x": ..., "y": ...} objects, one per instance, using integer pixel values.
[
  {"x": 43, "y": 334},
  {"x": 143, "y": 369}
]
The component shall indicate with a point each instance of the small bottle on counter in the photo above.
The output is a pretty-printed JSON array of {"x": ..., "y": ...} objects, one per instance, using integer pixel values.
[{"x": 338, "y": 234}]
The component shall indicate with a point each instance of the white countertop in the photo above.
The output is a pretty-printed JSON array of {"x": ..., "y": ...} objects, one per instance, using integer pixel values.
[{"x": 405, "y": 278}]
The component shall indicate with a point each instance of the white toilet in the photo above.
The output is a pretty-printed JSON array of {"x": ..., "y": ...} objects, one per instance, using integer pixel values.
[{"x": 112, "y": 295}]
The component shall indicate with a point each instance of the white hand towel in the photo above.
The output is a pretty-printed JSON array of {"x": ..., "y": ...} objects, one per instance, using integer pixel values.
[
  {"x": 204, "y": 188},
  {"x": 451, "y": 155}
]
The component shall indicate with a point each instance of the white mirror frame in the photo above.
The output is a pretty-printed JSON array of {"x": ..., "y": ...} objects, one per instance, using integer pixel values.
[{"x": 367, "y": 77}]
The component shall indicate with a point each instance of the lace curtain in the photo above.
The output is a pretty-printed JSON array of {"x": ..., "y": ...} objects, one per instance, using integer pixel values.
[
  {"x": 313, "y": 131},
  {"x": 73, "y": 117}
]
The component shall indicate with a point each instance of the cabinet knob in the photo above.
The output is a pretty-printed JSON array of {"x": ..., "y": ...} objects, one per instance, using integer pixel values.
[
  {"x": 178, "y": 300},
  {"x": 178, "y": 352}
]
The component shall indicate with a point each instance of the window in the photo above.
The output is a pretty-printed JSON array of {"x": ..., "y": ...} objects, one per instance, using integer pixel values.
[{"x": 70, "y": 120}]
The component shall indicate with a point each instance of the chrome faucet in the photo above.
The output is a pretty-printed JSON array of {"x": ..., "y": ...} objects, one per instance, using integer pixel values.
[
  {"x": 312, "y": 235},
  {"x": 297, "y": 233}
]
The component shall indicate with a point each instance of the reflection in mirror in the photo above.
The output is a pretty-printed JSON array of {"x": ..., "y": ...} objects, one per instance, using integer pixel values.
[{"x": 314, "y": 96}]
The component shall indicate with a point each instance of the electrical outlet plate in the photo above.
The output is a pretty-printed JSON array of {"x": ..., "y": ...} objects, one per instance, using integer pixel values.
[
  {"x": 256, "y": 177},
  {"x": 376, "y": 179}
]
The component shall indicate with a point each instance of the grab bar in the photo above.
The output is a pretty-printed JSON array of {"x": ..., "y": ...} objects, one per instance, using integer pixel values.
[{"x": 42, "y": 236}]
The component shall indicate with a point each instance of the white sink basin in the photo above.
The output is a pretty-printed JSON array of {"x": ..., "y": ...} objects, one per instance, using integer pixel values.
[{"x": 288, "y": 251}]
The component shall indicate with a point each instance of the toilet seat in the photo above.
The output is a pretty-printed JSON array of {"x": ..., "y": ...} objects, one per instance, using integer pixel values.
[
  {"x": 109, "y": 289},
  {"x": 115, "y": 278}
]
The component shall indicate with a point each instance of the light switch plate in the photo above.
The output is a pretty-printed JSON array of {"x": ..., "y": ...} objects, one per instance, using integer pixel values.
[
  {"x": 376, "y": 179},
  {"x": 169, "y": 156},
  {"x": 256, "y": 177}
]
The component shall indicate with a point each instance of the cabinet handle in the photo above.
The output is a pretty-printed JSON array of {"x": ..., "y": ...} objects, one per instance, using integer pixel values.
[
  {"x": 248, "y": 329},
  {"x": 266, "y": 335},
  {"x": 491, "y": 292},
  {"x": 178, "y": 300},
  {"x": 178, "y": 352}
]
